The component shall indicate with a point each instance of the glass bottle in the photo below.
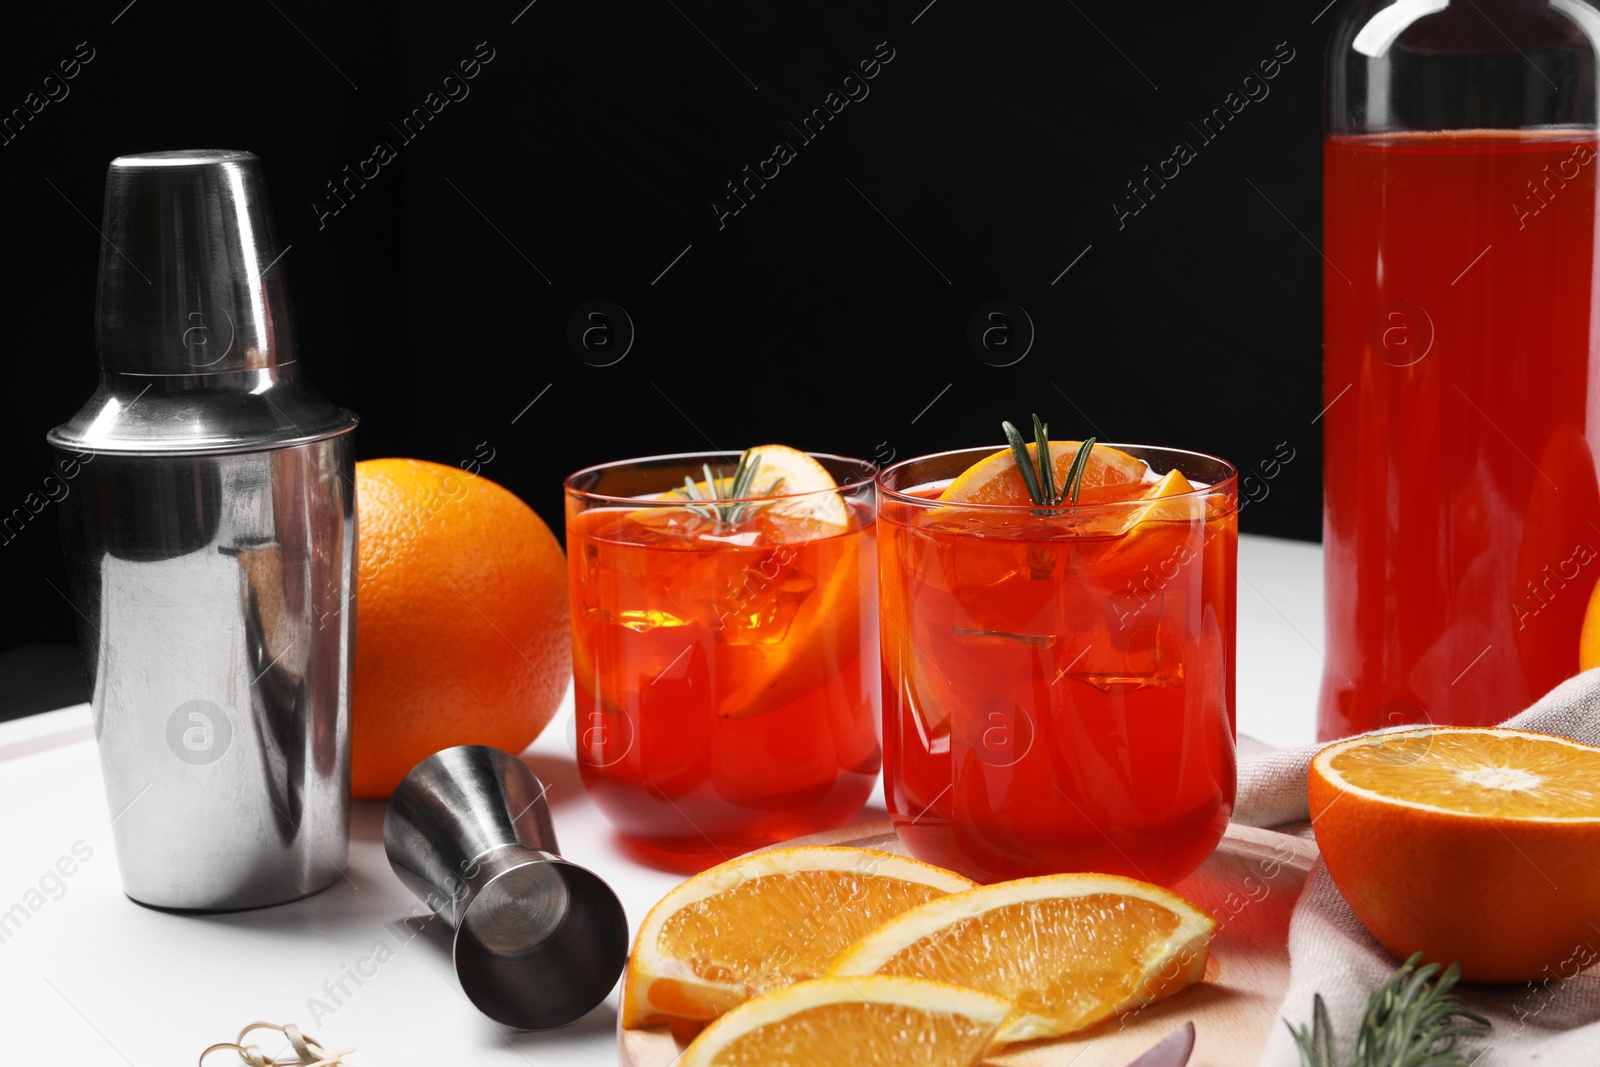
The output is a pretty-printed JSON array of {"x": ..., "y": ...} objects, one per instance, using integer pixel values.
[{"x": 1461, "y": 517}]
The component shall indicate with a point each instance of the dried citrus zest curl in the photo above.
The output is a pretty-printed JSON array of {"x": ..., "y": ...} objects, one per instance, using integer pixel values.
[{"x": 308, "y": 1051}]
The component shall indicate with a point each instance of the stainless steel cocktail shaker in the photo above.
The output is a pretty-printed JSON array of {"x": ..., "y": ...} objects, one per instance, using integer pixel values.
[{"x": 211, "y": 549}]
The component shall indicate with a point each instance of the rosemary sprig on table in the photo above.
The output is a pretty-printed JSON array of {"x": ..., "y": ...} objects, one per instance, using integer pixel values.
[
  {"x": 724, "y": 500},
  {"x": 1411, "y": 1020},
  {"x": 1041, "y": 481}
]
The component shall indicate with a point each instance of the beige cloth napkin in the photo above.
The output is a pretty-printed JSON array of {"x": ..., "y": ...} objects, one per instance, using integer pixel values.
[{"x": 1554, "y": 1021}]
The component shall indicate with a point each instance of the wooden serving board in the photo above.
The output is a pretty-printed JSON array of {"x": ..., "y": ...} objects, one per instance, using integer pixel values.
[{"x": 1250, "y": 884}]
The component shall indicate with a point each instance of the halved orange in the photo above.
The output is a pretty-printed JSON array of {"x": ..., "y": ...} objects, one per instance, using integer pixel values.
[
  {"x": 1479, "y": 845},
  {"x": 853, "y": 1022},
  {"x": 1066, "y": 950},
  {"x": 996, "y": 479},
  {"x": 764, "y": 921}
]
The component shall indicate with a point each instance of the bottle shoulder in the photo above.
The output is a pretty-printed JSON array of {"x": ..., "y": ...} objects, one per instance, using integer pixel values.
[{"x": 1434, "y": 65}]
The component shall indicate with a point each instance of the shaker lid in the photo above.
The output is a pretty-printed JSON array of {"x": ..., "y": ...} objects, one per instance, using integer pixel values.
[
  {"x": 234, "y": 413},
  {"x": 193, "y": 324}
]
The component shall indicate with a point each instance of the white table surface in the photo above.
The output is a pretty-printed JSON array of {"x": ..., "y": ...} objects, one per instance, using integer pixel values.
[{"x": 91, "y": 978}]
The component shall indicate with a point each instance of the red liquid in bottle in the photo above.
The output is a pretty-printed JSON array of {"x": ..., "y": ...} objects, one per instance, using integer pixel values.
[{"x": 1462, "y": 519}]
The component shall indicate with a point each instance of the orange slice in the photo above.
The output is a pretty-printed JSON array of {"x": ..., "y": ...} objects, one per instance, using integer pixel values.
[
  {"x": 804, "y": 507},
  {"x": 1066, "y": 950},
  {"x": 774, "y": 673},
  {"x": 1171, "y": 499},
  {"x": 1474, "y": 844},
  {"x": 800, "y": 483},
  {"x": 1170, "y": 484},
  {"x": 760, "y": 667},
  {"x": 764, "y": 921},
  {"x": 853, "y": 1022},
  {"x": 996, "y": 479}
]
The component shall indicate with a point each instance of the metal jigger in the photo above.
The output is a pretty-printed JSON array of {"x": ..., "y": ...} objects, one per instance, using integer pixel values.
[
  {"x": 210, "y": 546},
  {"x": 539, "y": 941}
]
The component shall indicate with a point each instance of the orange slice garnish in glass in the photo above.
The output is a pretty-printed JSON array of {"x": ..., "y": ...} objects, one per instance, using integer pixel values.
[
  {"x": 995, "y": 479},
  {"x": 794, "y": 499}
]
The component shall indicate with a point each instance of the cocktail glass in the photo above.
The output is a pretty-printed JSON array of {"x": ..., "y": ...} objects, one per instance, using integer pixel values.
[
  {"x": 726, "y": 674},
  {"x": 1058, "y": 682}
]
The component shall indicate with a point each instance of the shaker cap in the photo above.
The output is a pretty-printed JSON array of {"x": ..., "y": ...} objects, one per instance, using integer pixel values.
[
  {"x": 190, "y": 281},
  {"x": 193, "y": 323}
]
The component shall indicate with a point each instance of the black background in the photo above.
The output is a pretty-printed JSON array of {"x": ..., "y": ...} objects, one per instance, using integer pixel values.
[{"x": 830, "y": 313}]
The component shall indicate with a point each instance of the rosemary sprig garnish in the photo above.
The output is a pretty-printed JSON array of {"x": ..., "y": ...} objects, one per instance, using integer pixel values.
[
  {"x": 1080, "y": 463},
  {"x": 723, "y": 502},
  {"x": 1412, "y": 1020},
  {"x": 1041, "y": 480},
  {"x": 1047, "y": 470}
]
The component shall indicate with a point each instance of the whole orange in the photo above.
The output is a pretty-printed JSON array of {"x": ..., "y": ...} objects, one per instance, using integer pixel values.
[
  {"x": 461, "y": 619},
  {"x": 1478, "y": 845}
]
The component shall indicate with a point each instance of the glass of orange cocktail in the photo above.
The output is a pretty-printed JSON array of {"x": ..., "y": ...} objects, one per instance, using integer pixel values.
[
  {"x": 1058, "y": 678},
  {"x": 725, "y": 645}
]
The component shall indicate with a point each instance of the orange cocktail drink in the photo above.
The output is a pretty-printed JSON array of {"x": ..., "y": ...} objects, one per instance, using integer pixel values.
[
  {"x": 1058, "y": 680},
  {"x": 725, "y": 646}
]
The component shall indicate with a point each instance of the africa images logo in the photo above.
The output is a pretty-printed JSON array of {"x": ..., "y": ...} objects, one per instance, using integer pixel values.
[
  {"x": 199, "y": 732},
  {"x": 851, "y": 88},
  {"x": 1253, "y": 88},
  {"x": 600, "y": 332}
]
